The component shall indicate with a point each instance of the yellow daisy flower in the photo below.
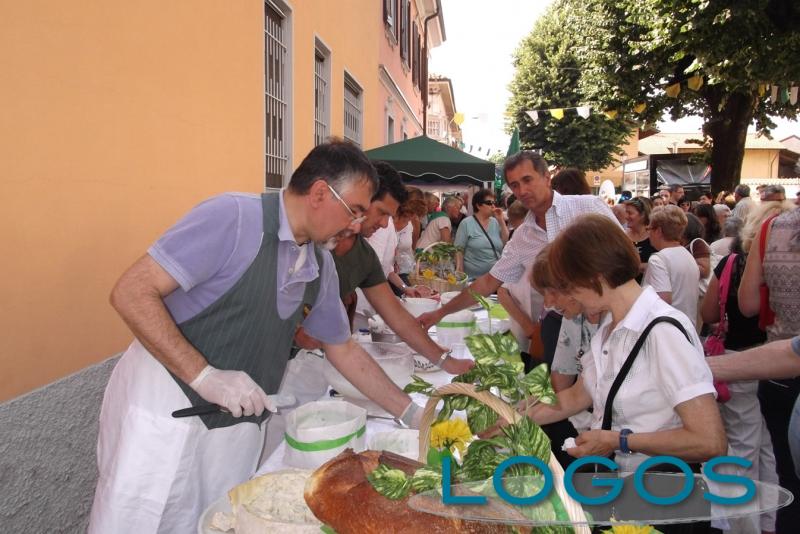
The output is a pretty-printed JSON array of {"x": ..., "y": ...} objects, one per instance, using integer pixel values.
[
  {"x": 451, "y": 278},
  {"x": 451, "y": 434},
  {"x": 428, "y": 274}
]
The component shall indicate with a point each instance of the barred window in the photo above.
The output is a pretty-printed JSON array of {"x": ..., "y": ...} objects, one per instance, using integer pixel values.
[
  {"x": 434, "y": 130},
  {"x": 321, "y": 97},
  {"x": 275, "y": 96},
  {"x": 352, "y": 110}
]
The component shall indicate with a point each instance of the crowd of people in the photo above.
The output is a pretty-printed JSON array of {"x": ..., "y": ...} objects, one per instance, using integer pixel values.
[{"x": 618, "y": 302}]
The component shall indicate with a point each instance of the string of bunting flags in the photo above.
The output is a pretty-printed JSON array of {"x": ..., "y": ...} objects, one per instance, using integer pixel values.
[
  {"x": 783, "y": 93},
  {"x": 778, "y": 93}
]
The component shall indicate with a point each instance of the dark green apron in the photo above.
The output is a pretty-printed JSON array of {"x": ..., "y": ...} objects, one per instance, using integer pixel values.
[{"x": 242, "y": 329}]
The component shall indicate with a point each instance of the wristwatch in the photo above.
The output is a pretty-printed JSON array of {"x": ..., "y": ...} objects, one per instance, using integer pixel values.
[
  {"x": 623, "y": 440},
  {"x": 443, "y": 358}
]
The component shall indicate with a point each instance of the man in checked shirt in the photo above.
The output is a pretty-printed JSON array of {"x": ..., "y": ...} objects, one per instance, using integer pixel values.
[{"x": 528, "y": 176}]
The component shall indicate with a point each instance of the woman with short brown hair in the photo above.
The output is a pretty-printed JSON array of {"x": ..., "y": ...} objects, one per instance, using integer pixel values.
[{"x": 665, "y": 405}]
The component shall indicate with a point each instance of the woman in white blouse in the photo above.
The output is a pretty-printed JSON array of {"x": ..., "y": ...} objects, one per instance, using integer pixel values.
[{"x": 665, "y": 405}]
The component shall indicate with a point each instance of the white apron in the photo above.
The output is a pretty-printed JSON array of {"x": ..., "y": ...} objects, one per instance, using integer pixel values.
[{"x": 156, "y": 473}]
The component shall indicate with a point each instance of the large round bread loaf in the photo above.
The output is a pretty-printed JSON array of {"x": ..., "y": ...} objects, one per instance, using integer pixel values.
[{"x": 339, "y": 495}]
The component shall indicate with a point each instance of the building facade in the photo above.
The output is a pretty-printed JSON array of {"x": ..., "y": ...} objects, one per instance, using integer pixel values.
[
  {"x": 442, "y": 110},
  {"x": 117, "y": 121}
]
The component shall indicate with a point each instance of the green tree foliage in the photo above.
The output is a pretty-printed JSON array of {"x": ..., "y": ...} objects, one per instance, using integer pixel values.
[
  {"x": 548, "y": 71},
  {"x": 736, "y": 46},
  {"x": 628, "y": 51}
]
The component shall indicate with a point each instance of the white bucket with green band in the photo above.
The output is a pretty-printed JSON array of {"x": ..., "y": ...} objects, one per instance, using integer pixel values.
[
  {"x": 318, "y": 431},
  {"x": 453, "y": 328}
]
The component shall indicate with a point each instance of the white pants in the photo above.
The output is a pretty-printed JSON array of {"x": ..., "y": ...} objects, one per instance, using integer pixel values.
[
  {"x": 157, "y": 473},
  {"x": 749, "y": 438}
]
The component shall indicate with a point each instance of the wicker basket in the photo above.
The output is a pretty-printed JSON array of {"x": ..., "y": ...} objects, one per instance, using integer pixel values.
[
  {"x": 574, "y": 510},
  {"x": 437, "y": 284}
]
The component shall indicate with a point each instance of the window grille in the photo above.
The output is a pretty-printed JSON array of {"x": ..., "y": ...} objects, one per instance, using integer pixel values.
[
  {"x": 275, "y": 96},
  {"x": 321, "y": 88},
  {"x": 352, "y": 110}
]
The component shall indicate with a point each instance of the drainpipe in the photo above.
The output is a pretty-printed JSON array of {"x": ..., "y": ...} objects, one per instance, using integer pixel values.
[{"x": 425, "y": 77}]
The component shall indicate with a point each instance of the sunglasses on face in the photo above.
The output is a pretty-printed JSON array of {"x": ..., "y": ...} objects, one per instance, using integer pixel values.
[{"x": 488, "y": 203}]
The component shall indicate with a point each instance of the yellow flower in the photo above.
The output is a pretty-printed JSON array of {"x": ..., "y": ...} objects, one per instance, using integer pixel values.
[
  {"x": 630, "y": 529},
  {"x": 450, "y": 434},
  {"x": 451, "y": 278},
  {"x": 429, "y": 274}
]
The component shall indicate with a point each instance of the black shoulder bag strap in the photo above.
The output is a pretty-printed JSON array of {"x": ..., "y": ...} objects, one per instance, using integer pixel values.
[
  {"x": 487, "y": 236},
  {"x": 626, "y": 367}
]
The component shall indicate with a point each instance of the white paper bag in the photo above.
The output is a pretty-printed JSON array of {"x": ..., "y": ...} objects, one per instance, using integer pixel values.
[
  {"x": 318, "y": 431},
  {"x": 453, "y": 328}
]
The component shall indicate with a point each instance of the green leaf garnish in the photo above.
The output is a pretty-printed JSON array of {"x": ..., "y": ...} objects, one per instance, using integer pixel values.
[{"x": 391, "y": 483}]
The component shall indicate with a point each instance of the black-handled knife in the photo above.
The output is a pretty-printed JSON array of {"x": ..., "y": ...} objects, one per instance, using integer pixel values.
[
  {"x": 203, "y": 409},
  {"x": 281, "y": 401}
]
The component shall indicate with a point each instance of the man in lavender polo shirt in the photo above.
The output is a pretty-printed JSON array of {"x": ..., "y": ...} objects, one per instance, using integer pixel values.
[{"x": 201, "y": 294}]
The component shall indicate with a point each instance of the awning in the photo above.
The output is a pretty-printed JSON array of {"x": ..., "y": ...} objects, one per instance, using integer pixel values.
[{"x": 422, "y": 160}]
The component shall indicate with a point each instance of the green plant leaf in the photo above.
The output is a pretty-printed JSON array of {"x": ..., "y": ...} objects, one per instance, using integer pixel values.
[
  {"x": 426, "y": 479},
  {"x": 480, "y": 417},
  {"x": 537, "y": 384},
  {"x": 391, "y": 483},
  {"x": 418, "y": 385}
]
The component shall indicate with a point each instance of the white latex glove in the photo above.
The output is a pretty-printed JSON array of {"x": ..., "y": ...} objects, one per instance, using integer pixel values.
[{"x": 233, "y": 390}]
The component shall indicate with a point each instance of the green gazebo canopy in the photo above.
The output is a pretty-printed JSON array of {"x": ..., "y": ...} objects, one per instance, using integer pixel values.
[{"x": 424, "y": 161}]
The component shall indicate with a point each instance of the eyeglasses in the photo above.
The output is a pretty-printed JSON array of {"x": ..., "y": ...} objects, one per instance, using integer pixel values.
[
  {"x": 354, "y": 219},
  {"x": 488, "y": 202}
]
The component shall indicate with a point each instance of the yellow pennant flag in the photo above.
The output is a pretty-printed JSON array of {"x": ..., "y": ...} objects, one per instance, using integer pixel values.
[
  {"x": 611, "y": 114},
  {"x": 638, "y": 108},
  {"x": 458, "y": 118},
  {"x": 695, "y": 82},
  {"x": 673, "y": 90},
  {"x": 557, "y": 113}
]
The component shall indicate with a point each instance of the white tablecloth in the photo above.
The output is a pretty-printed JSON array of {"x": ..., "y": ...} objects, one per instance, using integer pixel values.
[{"x": 302, "y": 379}]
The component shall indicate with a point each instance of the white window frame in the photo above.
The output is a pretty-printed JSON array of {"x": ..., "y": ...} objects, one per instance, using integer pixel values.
[
  {"x": 353, "y": 110},
  {"x": 322, "y": 91},
  {"x": 390, "y": 126}
]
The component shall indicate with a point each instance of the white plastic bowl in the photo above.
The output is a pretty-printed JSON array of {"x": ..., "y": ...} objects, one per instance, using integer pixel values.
[
  {"x": 396, "y": 360},
  {"x": 418, "y": 306}
]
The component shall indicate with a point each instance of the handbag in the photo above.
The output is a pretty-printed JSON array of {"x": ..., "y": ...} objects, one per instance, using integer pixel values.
[
  {"x": 714, "y": 344},
  {"x": 766, "y": 316}
]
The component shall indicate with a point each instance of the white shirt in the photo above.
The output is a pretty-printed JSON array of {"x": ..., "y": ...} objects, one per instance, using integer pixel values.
[
  {"x": 719, "y": 249},
  {"x": 384, "y": 242},
  {"x": 433, "y": 232},
  {"x": 742, "y": 208},
  {"x": 528, "y": 301},
  {"x": 668, "y": 371},
  {"x": 530, "y": 238},
  {"x": 675, "y": 270},
  {"x": 404, "y": 255}
]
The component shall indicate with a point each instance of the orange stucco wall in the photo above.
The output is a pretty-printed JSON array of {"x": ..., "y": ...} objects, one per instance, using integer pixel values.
[
  {"x": 114, "y": 124},
  {"x": 760, "y": 163},
  {"x": 350, "y": 30},
  {"x": 118, "y": 118},
  {"x": 389, "y": 58}
]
